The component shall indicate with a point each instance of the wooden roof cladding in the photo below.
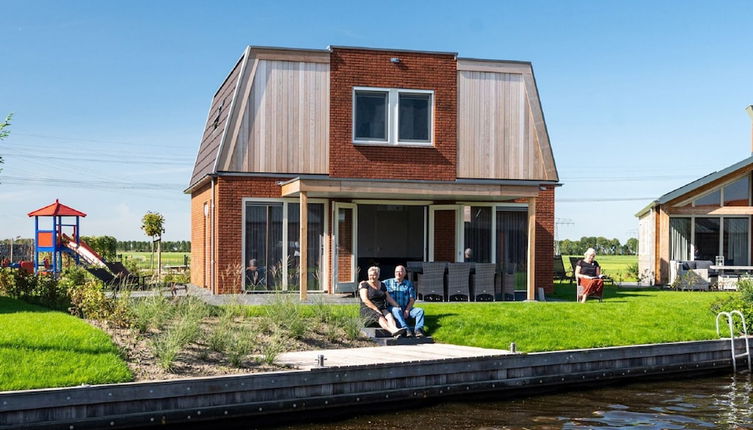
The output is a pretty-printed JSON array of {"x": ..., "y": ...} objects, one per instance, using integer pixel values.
[
  {"x": 238, "y": 114},
  {"x": 281, "y": 124},
  {"x": 501, "y": 129}
]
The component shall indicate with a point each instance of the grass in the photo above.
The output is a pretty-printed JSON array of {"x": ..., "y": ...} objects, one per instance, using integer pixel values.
[
  {"x": 624, "y": 318},
  {"x": 42, "y": 348},
  {"x": 142, "y": 259}
]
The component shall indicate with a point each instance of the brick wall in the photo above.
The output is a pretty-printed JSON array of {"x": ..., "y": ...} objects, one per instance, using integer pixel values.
[
  {"x": 345, "y": 252},
  {"x": 354, "y": 67},
  {"x": 444, "y": 235},
  {"x": 229, "y": 241},
  {"x": 545, "y": 239},
  {"x": 199, "y": 236}
]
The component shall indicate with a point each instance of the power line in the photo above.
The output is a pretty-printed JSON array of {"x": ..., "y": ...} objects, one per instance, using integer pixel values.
[
  {"x": 101, "y": 160},
  {"x": 100, "y": 184}
]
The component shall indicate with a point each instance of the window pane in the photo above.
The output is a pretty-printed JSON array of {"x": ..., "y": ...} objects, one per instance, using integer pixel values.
[
  {"x": 315, "y": 245},
  {"x": 263, "y": 246},
  {"x": 736, "y": 193},
  {"x": 679, "y": 238},
  {"x": 712, "y": 199},
  {"x": 414, "y": 117},
  {"x": 706, "y": 238},
  {"x": 478, "y": 229},
  {"x": 512, "y": 250},
  {"x": 736, "y": 241},
  {"x": 371, "y": 115}
]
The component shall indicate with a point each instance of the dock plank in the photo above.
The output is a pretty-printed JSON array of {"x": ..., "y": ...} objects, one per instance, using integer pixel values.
[{"x": 383, "y": 354}]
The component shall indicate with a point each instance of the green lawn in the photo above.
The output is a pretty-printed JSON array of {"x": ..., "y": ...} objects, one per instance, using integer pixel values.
[
  {"x": 168, "y": 258},
  {"x": 623, "y": 318},
  {"x": 42, "y": 348}
]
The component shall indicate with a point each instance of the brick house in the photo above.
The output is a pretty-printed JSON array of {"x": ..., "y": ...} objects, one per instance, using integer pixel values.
[
  {"x": 706, "y": 219},
  {"x": 349, "y": 157}
]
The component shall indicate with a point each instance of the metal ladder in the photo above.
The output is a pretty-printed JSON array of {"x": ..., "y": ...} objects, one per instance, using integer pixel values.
[{"x": 731, "y": 323}]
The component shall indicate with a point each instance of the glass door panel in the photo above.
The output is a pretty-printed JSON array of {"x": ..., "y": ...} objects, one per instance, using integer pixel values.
[
  {"x": 264, "y": 250},
  {"x": 345, "y": 275},
  {"x": 512, "y": 250},
  {"x": 315, "y": 245}
]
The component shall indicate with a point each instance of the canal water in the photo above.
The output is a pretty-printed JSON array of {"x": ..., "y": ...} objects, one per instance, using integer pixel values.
[{"x": 711, "y": 402}]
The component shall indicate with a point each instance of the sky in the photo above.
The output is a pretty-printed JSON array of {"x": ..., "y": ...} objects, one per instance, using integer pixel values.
[{"x": 110, "y": 98}]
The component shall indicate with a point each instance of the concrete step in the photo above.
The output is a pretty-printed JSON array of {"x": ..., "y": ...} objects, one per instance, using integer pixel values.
[{"x": 382, "y": 337}]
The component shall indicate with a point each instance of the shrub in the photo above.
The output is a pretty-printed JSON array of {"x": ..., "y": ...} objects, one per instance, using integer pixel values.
[
  {"x": 170, "y": 342},
  {"x": 240, "y": 345},
  {"x": 745, "y": 287},
  {"x": 631, "y": 271},
  {"x": 220, "y": 335},
  {"x": 323, "y": 311},
  {"x": 90, "y": 301},
  {"x": 351, "y": 325},
  {"x": 41, "y": 289},
  {"x": 151, "y": 312},
  {"x": 272, "y": 348},
  {"x": 283, "y": 311}
]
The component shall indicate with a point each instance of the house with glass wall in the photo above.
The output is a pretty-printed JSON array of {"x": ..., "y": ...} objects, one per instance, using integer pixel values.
[
  {"x": 704, "y": 220},
  {"x": 317, "y": 164}
]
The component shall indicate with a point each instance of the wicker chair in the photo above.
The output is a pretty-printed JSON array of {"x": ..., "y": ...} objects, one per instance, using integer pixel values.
[
  {"x": 457, "y": 280},
  {"x": 483, "y": 281},
  {"x": 431, "y": 281}
]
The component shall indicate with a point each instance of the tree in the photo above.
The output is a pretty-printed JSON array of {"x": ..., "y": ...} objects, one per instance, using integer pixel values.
[
  {"x": 153, "y": 225},
  {"x": 4, "y": 131},
  {"x": 632, "y": 245}
]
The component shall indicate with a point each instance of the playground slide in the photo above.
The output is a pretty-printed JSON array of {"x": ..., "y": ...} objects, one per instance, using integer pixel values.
[{"x": 84, "y": 251}]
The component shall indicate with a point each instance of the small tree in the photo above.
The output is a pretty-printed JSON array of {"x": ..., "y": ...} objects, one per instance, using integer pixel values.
[
  {"x": 4, "y": 131},
  {"x": 153, "y": 225}
]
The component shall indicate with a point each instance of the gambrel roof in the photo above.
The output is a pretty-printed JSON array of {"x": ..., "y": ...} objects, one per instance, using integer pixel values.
[{"x": 271, "y": 116}]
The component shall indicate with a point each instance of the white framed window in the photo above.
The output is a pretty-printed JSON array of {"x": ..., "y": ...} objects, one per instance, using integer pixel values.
[{"x": 392, "y": 116}]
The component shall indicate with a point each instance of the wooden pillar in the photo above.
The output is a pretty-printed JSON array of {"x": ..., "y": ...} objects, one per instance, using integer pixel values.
[
  {"x": 326, "y": 268},
  {"x": 531, "y": 279},
  {"x": 303, "y": 245}
]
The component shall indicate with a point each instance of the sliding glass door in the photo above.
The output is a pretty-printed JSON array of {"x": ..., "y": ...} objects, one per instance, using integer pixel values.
[{"x": 263, "y": 250}]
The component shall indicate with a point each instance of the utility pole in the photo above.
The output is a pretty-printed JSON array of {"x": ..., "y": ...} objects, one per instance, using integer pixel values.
[{"x": 558, "y": 222}]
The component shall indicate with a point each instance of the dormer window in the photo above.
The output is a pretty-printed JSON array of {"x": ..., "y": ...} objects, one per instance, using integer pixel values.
[{"x": 389, "y": 116}]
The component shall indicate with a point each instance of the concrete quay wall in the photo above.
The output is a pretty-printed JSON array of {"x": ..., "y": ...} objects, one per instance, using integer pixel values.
[{"x": 144, "y": 404}]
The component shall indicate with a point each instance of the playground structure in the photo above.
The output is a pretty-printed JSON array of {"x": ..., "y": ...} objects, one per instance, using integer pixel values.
[{"x": 62, "y": 237}]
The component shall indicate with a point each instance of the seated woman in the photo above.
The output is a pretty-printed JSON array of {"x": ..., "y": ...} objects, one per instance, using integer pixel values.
[
  {"x": 588, "y": 275},
  {"x": 374, "y": 299}
]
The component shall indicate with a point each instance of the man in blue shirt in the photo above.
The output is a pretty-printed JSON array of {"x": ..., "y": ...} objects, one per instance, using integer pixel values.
[{"x": 404, "y": 293}]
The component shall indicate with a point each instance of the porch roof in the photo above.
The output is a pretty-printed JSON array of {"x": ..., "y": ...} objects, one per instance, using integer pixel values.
[{"x": 459, "y": 190}]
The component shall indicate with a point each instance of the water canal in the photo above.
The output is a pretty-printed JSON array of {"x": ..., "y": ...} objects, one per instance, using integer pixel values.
[{"x": 710, "y": 402}]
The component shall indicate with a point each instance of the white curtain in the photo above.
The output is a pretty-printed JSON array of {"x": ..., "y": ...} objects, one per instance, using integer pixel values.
[
  {"x": 679, "y": 238},
  {"x": 736, "y": 241}
]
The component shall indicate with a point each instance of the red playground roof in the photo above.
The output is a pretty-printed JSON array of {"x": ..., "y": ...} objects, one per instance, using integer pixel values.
[{"x": 56, "y": 209}]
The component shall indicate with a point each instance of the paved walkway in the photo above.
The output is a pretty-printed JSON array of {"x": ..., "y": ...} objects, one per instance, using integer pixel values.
[{"x": 306, "y": 360}]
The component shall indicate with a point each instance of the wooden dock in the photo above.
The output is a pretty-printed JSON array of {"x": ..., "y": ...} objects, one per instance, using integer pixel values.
[{"x": 416, "y": 354}]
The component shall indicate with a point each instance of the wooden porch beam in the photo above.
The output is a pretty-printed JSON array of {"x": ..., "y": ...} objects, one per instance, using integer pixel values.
[
  {"x": 303, "y": 245},
  {"x": 726, "y": 210}
]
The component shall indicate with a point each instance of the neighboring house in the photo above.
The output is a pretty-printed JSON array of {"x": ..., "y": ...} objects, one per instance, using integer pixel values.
[
  {"x": 703, "y": 220},
  {"x": 393, "y": 156}
]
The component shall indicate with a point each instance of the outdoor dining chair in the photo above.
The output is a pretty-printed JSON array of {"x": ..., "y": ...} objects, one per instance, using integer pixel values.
[
  {"x": 431, "y": 281},
  {"x": 458, "y": 275},
  {"x": 482, "y": 283}
]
